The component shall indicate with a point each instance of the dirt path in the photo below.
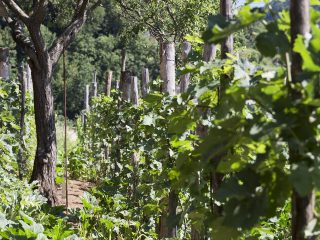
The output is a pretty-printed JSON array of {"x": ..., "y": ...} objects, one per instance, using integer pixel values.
[{"x": 76, "y": 190}]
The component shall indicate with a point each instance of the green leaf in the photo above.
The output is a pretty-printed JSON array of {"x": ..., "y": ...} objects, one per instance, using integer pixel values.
[
  {"x": 273, "y": 41},
  {"x": 308, "y": 61},
  {"x": 220, "y": 29},
  {"x": 222, "y": 232},
  {"x": 153, "y": 98},
  {"x": 181, "y": 123},
  {"x": 193, "y": 39}
]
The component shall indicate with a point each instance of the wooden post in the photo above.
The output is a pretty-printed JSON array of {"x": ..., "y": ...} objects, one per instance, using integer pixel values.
[
  {"x": 95, "y": 85},
  {"x": 82, "y": 114},
  {"x": 108, "y": 93},
  {"x": 124, "y": 90},
  {"x": 106, "y": 168},
  {"x": 135, "y": 155},
  {"x": 185, "y": 79},
  {"x": 65, "y": 132},
  {"x": 123, "y": 59},
  {"x": 145, "y": 88},
  {"x": 28, "y": 78},
  {"x": 86, "y": 106},
  {"x": 126, "y": 86},
  {"x": 134, "y": 91},
  {"x": 87, "y": 98},
  {"x": 123, "y": 68},
  {"x": 209, "y": 52},
  {"x": 108, "y": 83},
  {"x": 168, "y": 68},
  {"x": 118, "y": 84},
  {"x": 4, "y": 63}
]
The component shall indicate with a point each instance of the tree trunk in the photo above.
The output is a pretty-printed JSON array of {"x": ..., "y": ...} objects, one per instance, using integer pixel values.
[
  {"x": 163, "y": 229},
  {"x": 302, "y": 206},
  {"x": 302, "y": 215},
  {"x": 226, "y": 11},
  {"x": 195, "y": 234},
  {"x": 167, "y": 222},
  {"x": 22, "y": 80},
  {"x": 44, "y": 169},
  {"x": 209, "y": 54},
  {"x": 173, "y": 204},
  {"x": 42, "y": 60},
  {"x": 145, "y": 88},
  {"x": 185, "y": 79},
  {"x": 168, "y": 68},
  {"x": 299, "y": 13},
  {"x": 168, "y": 75},
  {"x": 226, "y": 47},
  {"x": 184, "y": 83},
  {"x": 227, "y": 44},
  {"x": 4, "y": 63}
]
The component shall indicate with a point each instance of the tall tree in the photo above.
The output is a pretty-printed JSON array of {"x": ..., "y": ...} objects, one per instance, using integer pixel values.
[
  {"x": 302, "y": 206},
  {"x": 209, "y": 55},
  {"x": 185, "y": 79},
  {"x": 227, "y": 44},
  {"x": 42, "y": 61},
  {"x": 169, "y": 22},
  {"x": 23, "y": 90},
  {"x": 226, "y": 11},
  {"x": 226, "y": 48},
  {"x": 168, "y": 67}
]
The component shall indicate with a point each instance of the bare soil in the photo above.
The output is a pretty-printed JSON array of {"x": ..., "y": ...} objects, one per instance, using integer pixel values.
[{"x": 76, "y": 190}]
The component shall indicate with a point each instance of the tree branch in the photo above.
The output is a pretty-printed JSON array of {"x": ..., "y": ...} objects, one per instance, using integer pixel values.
[
  {"x": 133, "y": 13},
  {"x": 39, "y": 12},
  {"x": 3, "y": 10},
  {"x": 173, "y": 21},
  {"x": 94, "y": 6},
  {"x": 14, "y": 7},
  {"x": 64, "y": 39},
  {"x": 22, "y": 40}
]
